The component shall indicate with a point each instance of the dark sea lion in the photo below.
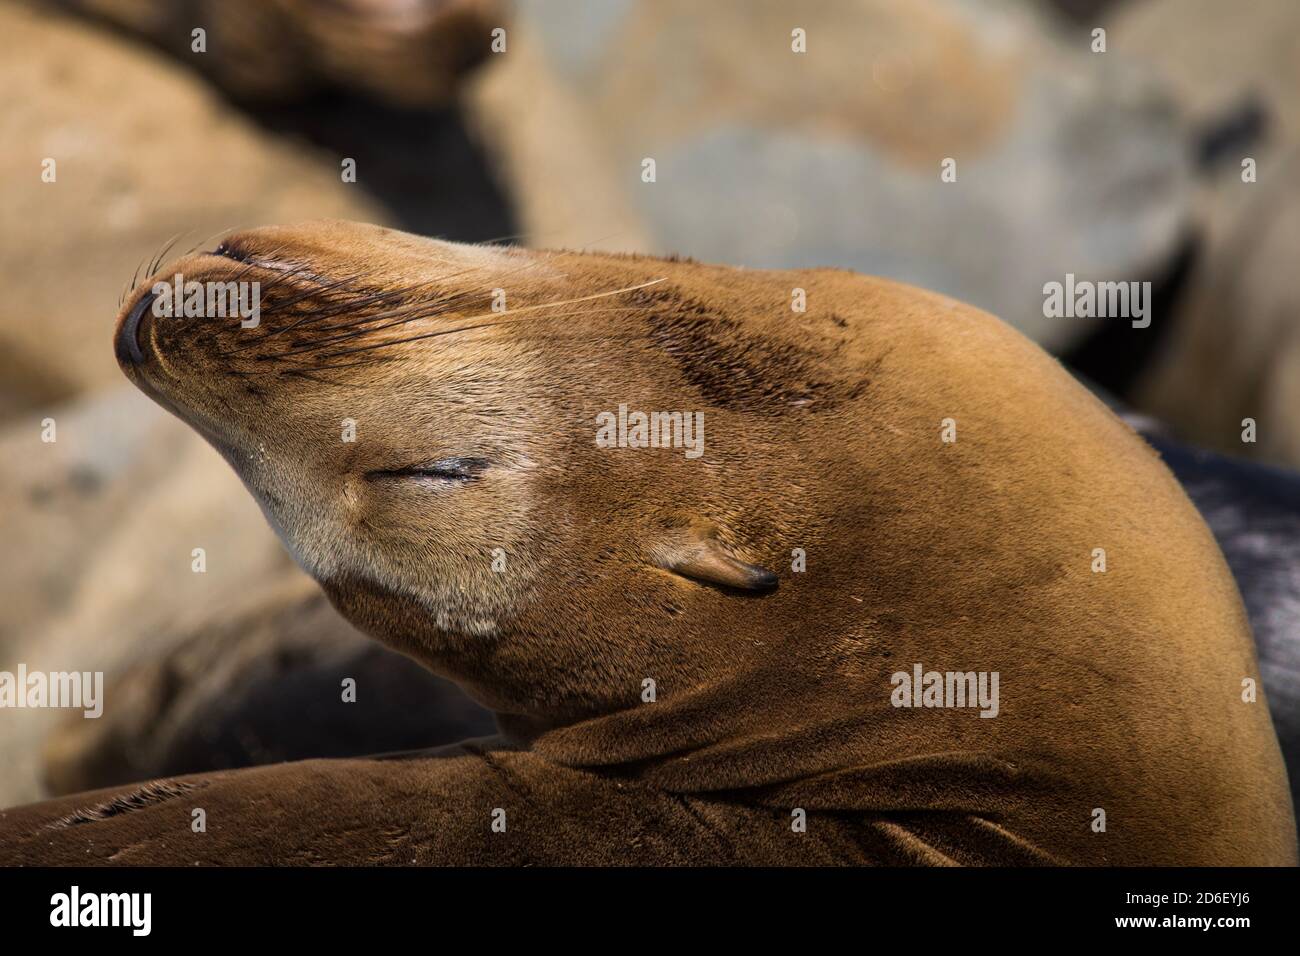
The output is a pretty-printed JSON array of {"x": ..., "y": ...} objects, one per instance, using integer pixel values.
[{"x": 476, "y": 525}]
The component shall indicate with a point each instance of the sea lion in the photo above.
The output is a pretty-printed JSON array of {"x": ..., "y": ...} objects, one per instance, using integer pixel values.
[
  {"x": 1254, "y": 45},
  {"x": 1236, "y": 324},
  {"x": 236, "y": 665},
  {"x": 671, "y": 686},
  {"x": 409, "y": 52}
]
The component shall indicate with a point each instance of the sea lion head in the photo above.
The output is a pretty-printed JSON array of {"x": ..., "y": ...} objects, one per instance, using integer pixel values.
[{"x": 421, "y": 423}]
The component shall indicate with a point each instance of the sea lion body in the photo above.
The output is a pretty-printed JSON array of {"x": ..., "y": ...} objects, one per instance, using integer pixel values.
[
  {"x": 440, "y": 808},
  {"x": 409, "y": 53},
  {"x": 1254, "y": 511},
  {"x": 1121, "y": 735}
]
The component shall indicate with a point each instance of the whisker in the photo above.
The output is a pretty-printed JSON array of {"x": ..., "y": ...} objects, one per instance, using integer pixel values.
[
  {"x": 251, "y": 264},
  {"x": 281, "y": 305},
  {"x": 497, "y": 240},
  {"x": 157, "y": 260},
  {"x": 463, "y": 328},
  {"x": 282, "y": 277},
  {"x": 401, "y": 316},
  {"x": 316, "y": 346},
  {"x": 348, "y": 305},
  {"x": 405, "y": 313},
  {"x": 314, "y": 291},
  {"x": 135, "y": 276}
]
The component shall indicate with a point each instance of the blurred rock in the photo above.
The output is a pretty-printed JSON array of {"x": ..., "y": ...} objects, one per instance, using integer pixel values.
[
  {"x": 1215, "y": 56},
  {"x": 58, "y": 500},
  {"x": 1067, "y": 161}
]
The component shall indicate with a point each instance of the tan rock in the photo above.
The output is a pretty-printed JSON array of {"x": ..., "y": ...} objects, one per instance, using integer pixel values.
[{"x": 1067, "y": 161}]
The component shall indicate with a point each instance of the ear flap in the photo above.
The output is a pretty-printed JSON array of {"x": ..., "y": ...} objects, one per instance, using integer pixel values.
[{"x": 697, "y": 554}]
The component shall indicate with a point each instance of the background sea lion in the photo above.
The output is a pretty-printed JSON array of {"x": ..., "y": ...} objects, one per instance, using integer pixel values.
[
  {"x": 411, "y": 52},
  {"x": 278, "y": 677},
  {"x": 1121, "y": 690},
  {"x": 1235, "y": 328},
  {"x": 1238, "y": 325}
]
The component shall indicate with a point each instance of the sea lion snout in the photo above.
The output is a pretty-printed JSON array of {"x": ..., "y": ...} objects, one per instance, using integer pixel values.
[
  {"x": 302, "y": 298},
  {"x": 190, "y": 317},
  {"x": 330, "y": 366},
  {"x": 126, "y": 338}
]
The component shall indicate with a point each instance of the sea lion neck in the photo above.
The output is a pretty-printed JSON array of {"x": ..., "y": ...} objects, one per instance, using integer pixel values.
[
  {"x": 765, "y": 723},
  {"x": 791, "y": 704}
]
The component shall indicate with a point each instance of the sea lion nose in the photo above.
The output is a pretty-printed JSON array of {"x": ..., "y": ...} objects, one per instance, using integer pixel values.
[{"x": 126, "y": 342}]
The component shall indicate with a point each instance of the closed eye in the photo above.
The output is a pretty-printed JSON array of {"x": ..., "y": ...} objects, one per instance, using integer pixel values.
[{"x": 444, "y": 469}]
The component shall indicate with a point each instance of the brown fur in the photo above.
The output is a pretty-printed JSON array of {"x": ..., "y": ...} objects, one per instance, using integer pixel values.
[
  {"x": 409, "y": 54},
  {"x": 1119, "y": 690}
]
